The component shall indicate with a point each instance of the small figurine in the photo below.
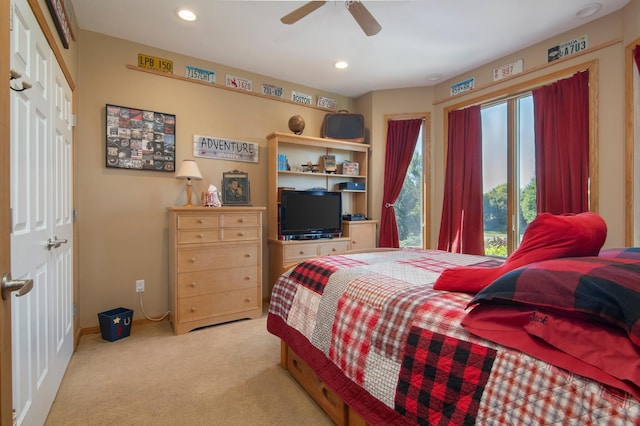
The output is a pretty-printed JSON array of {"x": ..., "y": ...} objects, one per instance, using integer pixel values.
[{"x": 211, "y": 198}]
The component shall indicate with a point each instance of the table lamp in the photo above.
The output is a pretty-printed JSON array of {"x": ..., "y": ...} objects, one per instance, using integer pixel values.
[{"x": 189, "y": 170}]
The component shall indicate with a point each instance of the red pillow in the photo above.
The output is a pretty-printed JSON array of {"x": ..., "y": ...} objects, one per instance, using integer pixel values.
[{"x": 548, "y": 236}]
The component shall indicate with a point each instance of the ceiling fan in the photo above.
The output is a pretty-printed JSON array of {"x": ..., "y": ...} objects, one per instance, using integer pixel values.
[{"x": 359, "y": 12}]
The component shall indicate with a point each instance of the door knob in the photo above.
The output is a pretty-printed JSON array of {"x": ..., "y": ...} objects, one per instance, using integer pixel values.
[
  {"x": 21, "y": 286},
  {"x": 55, "y": 242}
]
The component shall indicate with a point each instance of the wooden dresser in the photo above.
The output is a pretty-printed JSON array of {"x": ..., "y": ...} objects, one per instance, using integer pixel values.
[{"x": 215, "y": 265}]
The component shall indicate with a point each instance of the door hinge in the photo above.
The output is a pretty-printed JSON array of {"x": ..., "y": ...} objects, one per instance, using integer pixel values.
[
  {"x": 74, "y": 215},
  {"x": 10, "y": 17},
  {"x": 75, "y": 309},
  {"x": 74, "y": 120}
]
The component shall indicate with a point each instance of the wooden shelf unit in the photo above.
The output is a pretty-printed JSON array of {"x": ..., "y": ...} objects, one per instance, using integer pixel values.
[{"x": 300, "y": 149}]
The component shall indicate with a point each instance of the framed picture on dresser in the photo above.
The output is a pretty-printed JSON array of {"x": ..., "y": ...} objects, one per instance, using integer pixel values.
[{"x": 236, "y": 191}]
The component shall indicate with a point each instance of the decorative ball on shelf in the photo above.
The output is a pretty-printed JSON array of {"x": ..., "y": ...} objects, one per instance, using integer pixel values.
[{"x": 296, "y": 124}]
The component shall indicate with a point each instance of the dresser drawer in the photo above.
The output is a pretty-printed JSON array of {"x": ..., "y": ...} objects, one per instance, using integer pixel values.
[
  {"x": 333, "y": 247},
  {"x": 241, "y": 219},
  {"x": 240, "y": 234},
  {"x": 306, "y": 250},
  {"x": 295, "y": 252},
  {"x": 219, "y": 257},
  {"x": 216, "y": 304},
  {"x": 198, "y": 236},
  {"x": 198, "y": 221},
  {"x": 216, "y": 281}
]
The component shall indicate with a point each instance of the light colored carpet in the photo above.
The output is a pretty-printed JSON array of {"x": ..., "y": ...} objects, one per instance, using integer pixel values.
[{"x": 227, "y": 374}]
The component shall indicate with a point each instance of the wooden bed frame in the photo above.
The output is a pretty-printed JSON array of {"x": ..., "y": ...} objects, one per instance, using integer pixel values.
[{"x": 329, "y": 401}]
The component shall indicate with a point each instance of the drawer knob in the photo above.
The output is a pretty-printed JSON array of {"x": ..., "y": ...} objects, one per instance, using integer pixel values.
[
  {"x": 199, "y": 235},
  {"x": 193, "y": 309},
  {"x": 241, "y": 220},
  {"x": 240, "y": 234},
  {"x": 301, "y": 251},
  {"x": 193, "y": 284},
  {"x": 247, "y": 255},
  {"x": 192, "y": 260},
  {"x": 333, "y": 249},
  {"x": 247, "y": 278},
  {"x": 200, "y": 220},
  {"x": 247, "y": 300}
]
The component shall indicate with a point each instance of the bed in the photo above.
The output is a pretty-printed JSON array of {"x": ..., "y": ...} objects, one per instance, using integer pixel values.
[{"x": 373, "y": 342}]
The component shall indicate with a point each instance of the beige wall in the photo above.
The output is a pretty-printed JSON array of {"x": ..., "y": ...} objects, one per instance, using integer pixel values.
[
  {"x": 122, "y": 222},
  {"x": 631, "y": 21}
]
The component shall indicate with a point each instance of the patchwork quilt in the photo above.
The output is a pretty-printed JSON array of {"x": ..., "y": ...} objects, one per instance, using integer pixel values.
[{"x": 376, "y": 332}]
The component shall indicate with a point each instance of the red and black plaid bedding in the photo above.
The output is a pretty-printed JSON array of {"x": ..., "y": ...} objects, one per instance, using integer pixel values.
[
  {"x": 605, "y": 287},
  {"x": 376, "y": 332}
]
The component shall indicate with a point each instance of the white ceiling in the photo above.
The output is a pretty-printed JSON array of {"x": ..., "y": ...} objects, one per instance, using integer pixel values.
[{"x": 418, "y": 38}]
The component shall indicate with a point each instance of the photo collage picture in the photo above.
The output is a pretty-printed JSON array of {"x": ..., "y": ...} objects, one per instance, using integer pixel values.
[{"x": 140, "y": 139}]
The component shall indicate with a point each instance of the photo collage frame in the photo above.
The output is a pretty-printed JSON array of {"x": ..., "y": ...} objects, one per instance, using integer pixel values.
[{"x": 140, "y": 139}]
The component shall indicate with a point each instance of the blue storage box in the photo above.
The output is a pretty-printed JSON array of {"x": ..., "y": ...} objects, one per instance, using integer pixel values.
[{"x": 115, "y": 324}]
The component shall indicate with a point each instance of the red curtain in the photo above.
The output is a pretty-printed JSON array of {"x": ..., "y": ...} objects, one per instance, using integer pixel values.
[
  {"x": 561, "y": 115},
  {"x": 402, "y": 136},
  {"x": 461, "y": 226},
  {"x": 636, "y": 54}
]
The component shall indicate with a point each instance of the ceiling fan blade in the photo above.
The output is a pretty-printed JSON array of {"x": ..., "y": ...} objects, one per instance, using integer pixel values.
[
  {"x": 365, "y": 19},
  {"x": 301, "y": 12}
]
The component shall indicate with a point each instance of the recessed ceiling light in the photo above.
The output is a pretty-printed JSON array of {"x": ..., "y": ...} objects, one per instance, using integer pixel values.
[
  {"x": 341, "y": 65},
  {"x": 589, "y": 10},
  {"x": 186, "y": 14},
  {"x": 434, "y": 77}
]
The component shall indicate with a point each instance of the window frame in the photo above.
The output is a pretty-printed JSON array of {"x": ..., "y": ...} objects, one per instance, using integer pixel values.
[{"x": 520, "y": 89}]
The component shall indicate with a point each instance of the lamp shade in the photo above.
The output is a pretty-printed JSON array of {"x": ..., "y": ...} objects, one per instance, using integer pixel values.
[{"x": 189, "y": 170}]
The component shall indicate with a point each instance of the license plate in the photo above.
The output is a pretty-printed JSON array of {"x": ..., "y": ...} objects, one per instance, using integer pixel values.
[
  {"x": 200, "y": 74},
  {"x": 271, "y": 90},
  {"x": 156, "y": 64},
  {"x": 463, "y": 86},
  {"x": 573, "y": 46},
  {"x": 567, "y": 48},
  {"x": 239, "y": 83},
  {"x": 508, "y": 70}
]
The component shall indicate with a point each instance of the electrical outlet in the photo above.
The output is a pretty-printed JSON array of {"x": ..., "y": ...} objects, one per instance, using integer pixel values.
[{"x": 139, "y": 286}]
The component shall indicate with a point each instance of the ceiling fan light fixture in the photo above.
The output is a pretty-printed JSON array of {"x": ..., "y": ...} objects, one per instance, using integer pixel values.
[
  {"x": 341, "y": 65},
  {"x": 186, "y": 15},
  {"x": 434, "y": 77}
]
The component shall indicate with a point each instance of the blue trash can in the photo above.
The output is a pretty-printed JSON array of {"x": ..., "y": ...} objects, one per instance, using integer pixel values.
[{"x": 115, "y": 324}]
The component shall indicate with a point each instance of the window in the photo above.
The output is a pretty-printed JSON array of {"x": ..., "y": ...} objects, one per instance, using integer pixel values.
[
  {"x": 508, "y": 163},
  {"x": 409, "y": 206}
]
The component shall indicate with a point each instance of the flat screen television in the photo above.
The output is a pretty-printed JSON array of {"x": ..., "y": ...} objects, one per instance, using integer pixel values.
[{"x": 310, "y": 214}]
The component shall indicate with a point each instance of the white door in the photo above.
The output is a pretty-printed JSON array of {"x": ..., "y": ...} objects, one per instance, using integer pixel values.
[{"x": 41, "y": 164}]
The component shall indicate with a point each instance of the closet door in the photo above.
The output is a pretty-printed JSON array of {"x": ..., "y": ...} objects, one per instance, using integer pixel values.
[{"x": 41, "y": 240}]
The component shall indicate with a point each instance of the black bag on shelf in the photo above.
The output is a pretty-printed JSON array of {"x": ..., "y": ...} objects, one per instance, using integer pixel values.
[{"x": 343, "y": 125}]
